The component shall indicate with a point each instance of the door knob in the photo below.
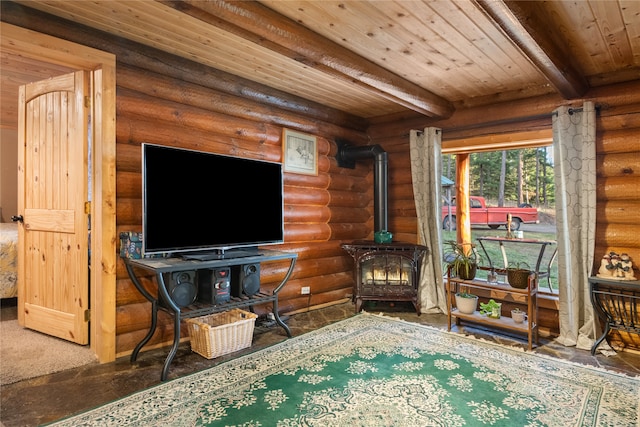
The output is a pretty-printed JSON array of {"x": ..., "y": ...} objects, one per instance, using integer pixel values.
[{"x": 17, "y": 218}]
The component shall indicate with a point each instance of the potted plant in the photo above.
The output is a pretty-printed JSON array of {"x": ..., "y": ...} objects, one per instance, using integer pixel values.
[
  {"x": 466, "y": 302},
  {"x": 518, "y": 315},
  {"x": 491, "y": 309},
  {"x": 461, "y": 261},
  {"x": 518, "y": 275}
]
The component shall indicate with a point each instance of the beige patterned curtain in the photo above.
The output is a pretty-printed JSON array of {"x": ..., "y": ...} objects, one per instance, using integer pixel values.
[
  {"x": 425, "y": 148},
  {"x": 574, "y": 140}
]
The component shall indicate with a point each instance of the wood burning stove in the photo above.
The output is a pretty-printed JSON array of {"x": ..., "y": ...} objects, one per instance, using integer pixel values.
[{"x": 386, "y": 272}]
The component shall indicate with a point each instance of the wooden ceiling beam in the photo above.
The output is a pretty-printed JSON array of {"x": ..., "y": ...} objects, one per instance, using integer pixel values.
[
  {"x": 263, "y": 26},
  {"x": 520, "y": 22}
]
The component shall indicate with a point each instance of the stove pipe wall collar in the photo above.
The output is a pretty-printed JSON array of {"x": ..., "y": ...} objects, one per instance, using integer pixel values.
[{"x": 347, "y": 156}]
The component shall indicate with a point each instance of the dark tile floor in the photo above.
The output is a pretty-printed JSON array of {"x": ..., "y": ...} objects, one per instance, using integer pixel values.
[{"x": 49, "y": 398}]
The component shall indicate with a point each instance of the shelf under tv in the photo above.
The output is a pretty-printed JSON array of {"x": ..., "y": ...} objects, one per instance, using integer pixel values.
[{"x": 160, "y": 298}]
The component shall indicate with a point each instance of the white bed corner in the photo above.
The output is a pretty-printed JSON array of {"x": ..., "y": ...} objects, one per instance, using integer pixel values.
[{"x": 8, "y": 260}]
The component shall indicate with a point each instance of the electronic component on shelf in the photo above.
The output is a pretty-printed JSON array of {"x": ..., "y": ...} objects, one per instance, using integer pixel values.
[{"x": 214, "y": 285}]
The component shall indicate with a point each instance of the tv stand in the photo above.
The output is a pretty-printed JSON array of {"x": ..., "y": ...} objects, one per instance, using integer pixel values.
[{"x": 162, "y": 300}]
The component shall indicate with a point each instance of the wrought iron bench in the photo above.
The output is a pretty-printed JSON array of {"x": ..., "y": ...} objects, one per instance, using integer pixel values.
[{"x": 617, "y": 304}]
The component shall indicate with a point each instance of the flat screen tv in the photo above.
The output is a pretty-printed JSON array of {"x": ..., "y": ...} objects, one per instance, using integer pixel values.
[{"x": 204, "y": 205}]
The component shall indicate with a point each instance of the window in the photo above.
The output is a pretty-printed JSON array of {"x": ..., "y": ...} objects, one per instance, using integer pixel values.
[{"x": 514, "y": 178}]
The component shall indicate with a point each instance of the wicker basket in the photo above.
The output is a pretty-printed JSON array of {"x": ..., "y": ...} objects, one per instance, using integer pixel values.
[{"x": 221, "y": 333}]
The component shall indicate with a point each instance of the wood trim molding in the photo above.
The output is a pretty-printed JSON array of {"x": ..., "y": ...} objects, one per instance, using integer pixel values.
[
  {"x": 28, "y": 43},
  {"x": 507, "y": 141}
]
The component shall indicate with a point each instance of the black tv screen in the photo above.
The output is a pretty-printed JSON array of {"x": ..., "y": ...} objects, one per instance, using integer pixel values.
[{"x": 195, "y": 201}]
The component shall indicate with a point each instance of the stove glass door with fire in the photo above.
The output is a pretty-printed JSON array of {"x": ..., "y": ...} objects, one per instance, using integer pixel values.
[{"x": 386, "y": 272}]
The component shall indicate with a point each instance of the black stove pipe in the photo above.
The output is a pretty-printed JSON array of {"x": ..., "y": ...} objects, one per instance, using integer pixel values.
[{"x": 347, "y": 156}]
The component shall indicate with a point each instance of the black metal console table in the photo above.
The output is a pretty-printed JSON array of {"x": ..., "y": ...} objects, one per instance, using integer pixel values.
[
  {"x": 617, "y": 304},
  {"x": 163, "y": 301},
  {"x": 543, "y": 272}
]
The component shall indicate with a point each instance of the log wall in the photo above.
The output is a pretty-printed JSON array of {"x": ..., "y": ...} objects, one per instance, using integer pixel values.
[
  {"x": 618, "y": 188},
  {"x": 617, "y": 162},
  {"x": 161, "y": 98},
  {"x": 157, "y": 106},
  {"x": 167, "y": 100},
  {"x": 618, "y": 181}
]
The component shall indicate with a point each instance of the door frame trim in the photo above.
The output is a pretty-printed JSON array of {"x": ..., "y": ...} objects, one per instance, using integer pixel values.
[{"x": 102, "y": 300}]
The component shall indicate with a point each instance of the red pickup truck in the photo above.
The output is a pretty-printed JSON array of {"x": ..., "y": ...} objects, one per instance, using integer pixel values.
[{"x": 493, "y": 217}]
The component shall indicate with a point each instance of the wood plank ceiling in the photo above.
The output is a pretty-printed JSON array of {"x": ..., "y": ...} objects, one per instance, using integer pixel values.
[{"x": 375, "y": 58}]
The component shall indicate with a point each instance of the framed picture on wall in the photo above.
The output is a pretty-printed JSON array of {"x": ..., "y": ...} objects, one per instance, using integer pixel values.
[{"x": 299, "y": 152}]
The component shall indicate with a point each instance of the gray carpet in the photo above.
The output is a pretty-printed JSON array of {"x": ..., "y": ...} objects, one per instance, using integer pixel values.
[{"x": 28, "y": 354}]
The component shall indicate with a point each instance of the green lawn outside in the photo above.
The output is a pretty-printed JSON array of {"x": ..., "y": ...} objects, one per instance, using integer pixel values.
[{"x": 516, "y": 253}]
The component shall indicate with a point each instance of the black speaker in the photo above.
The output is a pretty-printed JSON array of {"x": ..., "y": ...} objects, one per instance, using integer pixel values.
[
  {"x": 214, "y": 285},
  {"x": 182, "y": 288},
  {"x": 245, "y": 280}
]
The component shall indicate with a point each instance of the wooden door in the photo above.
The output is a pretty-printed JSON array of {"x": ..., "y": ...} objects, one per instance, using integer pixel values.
[{"x": 53, "y": 266}]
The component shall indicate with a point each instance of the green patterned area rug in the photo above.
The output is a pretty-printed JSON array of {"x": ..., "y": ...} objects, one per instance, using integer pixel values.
[{"x": 372, "y": 370}]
